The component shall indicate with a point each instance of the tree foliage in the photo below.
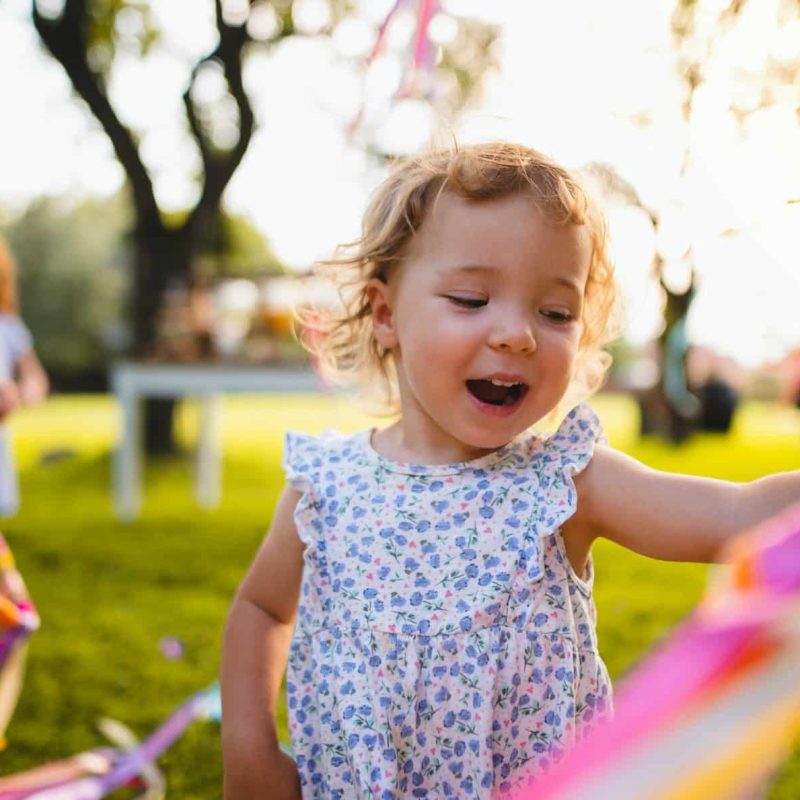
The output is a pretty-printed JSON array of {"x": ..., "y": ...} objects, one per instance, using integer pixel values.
[
  {"x": 707, "y": 38},
  {"x": 84, "y": 38},
  {"x": 72, "y": 279}
]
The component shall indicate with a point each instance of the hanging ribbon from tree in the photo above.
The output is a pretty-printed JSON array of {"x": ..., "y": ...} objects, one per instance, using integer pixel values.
[{"x": 417, "y": 76}]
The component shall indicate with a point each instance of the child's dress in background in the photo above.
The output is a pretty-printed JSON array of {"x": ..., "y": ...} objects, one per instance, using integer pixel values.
[
  {"x": 15, "y": 341},
  {"x": 444, "y": 645}
]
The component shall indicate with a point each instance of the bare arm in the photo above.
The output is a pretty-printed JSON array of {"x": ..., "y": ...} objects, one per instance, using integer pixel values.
[
  {"x": 670, "y": 516},
  {"x": 9, "y": 398},
  {"x": 257, "y": 638}
]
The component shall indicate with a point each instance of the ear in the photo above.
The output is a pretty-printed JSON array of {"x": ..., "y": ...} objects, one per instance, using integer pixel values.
[{"x": 381, "y": 302}]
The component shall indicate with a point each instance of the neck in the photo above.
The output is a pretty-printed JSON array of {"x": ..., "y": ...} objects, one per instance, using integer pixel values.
[{"x": 402, "y": 442}]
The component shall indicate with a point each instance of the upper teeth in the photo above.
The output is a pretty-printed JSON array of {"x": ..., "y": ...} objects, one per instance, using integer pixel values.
[{"x": 503, "y": 383}]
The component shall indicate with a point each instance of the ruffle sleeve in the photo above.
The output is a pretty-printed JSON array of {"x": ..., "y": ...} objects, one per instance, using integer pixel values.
[
  {"x": 565, "y": 454},
  {"x": 302, "y": 459}
]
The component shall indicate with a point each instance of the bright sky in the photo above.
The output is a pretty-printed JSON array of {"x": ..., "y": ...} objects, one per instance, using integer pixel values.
[{"x": 574, "y": 82}]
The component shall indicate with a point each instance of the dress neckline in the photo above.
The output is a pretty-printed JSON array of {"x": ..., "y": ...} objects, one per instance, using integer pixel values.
[{"x": 406, "y": 468}]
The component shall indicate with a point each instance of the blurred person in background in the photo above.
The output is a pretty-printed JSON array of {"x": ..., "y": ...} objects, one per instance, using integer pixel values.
[{"x": 23, "y": 381}]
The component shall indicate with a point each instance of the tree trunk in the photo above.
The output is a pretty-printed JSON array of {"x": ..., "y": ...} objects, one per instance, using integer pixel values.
[
  {"x": 161, "y": 258},
  {"x": 159, "y": 427}
]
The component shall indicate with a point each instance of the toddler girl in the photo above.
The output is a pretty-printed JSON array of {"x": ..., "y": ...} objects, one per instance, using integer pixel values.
[{"x": 430, "y": 583}]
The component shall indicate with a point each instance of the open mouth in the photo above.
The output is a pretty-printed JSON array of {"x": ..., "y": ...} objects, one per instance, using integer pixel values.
[{"x": 497, "y": 393}]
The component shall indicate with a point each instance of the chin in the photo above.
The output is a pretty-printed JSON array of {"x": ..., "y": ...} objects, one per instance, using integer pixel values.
[{"x": 488, "y": 440}]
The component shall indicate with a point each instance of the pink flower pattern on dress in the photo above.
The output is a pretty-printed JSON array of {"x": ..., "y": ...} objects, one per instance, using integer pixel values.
[{"x": 444, "y": 646}]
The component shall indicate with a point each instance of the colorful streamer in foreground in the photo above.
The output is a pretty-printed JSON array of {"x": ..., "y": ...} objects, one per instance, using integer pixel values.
[
  {"x": 97, "y": 773},
  {"x": 18, "y": 620},
  {"x": 713, "y": 712}
]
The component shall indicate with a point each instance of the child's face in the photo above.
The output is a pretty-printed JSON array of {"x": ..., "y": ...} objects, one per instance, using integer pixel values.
[{"x": 490, "y": 293}]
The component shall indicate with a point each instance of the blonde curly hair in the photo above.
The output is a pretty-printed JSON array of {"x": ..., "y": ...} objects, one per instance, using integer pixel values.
[{"x": 343, "y": 340}]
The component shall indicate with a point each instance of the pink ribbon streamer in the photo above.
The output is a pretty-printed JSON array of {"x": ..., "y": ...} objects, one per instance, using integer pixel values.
[{"x": 737, "y": 628}]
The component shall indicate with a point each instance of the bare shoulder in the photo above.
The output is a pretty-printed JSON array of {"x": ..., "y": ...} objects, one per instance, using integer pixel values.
[
  {"x": 581, "y": 529},
  {"x": 589, "y": 486},
  {"x": 595, "y": 500}
]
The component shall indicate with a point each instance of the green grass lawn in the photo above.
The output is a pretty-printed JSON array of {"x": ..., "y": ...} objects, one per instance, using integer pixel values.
[{"x": 109, "y": 592}]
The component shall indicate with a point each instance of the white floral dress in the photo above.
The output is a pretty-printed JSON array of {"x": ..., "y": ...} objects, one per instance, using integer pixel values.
[{"x": 444, "y": 646}]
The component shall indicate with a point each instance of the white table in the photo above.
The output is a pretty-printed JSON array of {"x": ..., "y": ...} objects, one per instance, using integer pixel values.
[{"x": 132, "y": 381}]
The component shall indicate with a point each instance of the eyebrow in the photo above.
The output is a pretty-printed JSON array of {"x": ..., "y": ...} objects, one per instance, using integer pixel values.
[
  {"x": 471, "y": 268},
  {"x": 479, "y": 268}
]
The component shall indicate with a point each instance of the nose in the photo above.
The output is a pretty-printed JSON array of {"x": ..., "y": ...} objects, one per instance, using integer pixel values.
[{"x": 513, "y": 335}]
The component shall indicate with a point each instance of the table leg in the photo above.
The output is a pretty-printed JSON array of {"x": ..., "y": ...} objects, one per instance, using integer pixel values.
[
  {"x": 127, "y": 473},
  {"x": 209, "y": 453}
]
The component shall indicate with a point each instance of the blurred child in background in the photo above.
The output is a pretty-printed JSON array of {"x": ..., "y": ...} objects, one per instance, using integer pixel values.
[{"x": 23, "y": 381}]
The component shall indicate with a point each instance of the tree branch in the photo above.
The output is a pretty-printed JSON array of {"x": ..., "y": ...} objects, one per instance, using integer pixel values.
[
  {"x": 220, "y": 165},
  {"x": 194, "y": 121},
  {"x": 65, "y": 38}
]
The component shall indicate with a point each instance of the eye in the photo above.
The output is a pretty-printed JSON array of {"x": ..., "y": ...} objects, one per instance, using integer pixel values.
[
  {"x": 557, "y": 316},
  {"x": 466, "y": 302}
]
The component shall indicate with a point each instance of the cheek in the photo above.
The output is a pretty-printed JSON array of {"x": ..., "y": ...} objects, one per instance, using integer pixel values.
[
  {"x": 445, "y": 347},
  {"x": 561, "y": 346},
  {"x": 432, "y": 330}
]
